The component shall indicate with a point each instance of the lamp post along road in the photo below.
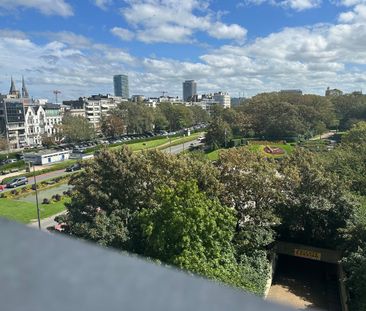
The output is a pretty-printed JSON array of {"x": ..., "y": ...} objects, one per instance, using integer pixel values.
[{"x": 36, "y": 189}]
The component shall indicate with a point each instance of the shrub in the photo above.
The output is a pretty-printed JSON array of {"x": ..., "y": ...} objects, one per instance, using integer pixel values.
[
  {"x": 46, "y": 201},
  {"x": 67, "y": 193}
]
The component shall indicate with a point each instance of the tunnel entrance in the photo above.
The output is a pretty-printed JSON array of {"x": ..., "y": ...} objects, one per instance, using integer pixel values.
[{"x": 305, "y": 284}]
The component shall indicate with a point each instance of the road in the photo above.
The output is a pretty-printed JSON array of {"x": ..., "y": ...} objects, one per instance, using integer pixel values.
[
  {"x": 43, "y": 177},
  {"x": 174, "y": 150},
  {"x": 305, "y": 284},
  {"x": 182, "y": 147},
  {"x": 323, "y": 136}
]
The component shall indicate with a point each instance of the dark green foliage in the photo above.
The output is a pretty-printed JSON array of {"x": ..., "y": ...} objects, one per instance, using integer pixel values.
[
  {"x": 350, "y": 109},
  {"x": 355, "y": 266},
  {"x": 316, "y": 207},
  {"x": 178, "y": 116},
  {"x": 190, "y": 231},
  {"x": 76, "y": 129},
  {"x": 141, "y": 202},
  {"x": 218, "y": 220},
  {"x": 218, "y": 134},
  {"x": 136, "y": 117},
  {"x": 113, "y": 125},
  {"x": 349, "y": 160},
  {"x": 253, "y": 188},
  {"x": 280, "y": 115},
  {"x": 356, "y": 135}
]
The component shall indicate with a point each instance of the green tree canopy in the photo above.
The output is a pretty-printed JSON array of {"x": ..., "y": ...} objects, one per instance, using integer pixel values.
[
  {"x": 317, "y": 207},
  {"x": 112, "y": 125},
  {"x": 3, "y": 143},
  {"x": 281, "y": 115},
  {"x": 189, "y": 230},
  {"x": 76, "y": 128},
  {"x": 218, "y": 133},
  {"x": 356, "y": 135},
  {"x": 252, "y": 186}
]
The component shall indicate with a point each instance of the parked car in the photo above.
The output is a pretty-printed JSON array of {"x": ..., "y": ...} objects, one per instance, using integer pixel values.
[
  {"x": 74, "y": 167},
  {"x": 16, "y": 182},
  {"x": 11, "y": 161}
]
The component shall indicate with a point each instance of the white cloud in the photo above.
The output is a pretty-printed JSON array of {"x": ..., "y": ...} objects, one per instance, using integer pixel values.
[
  {"x": 297, "y": 5},
  {"x": 47, "y": 7},
  {"x": 176, "y": 21},
  {"x": 58, "y": 65},
  {"x": 300, "y": 5},
  {"x": 103, "y": 4},
  {"x": 223, "y": 31},
  {"x": 350, "y": 2},
  {"x": 310, "y": 58},
  {"x": 8, "y": 33},
  {"x": 67, "y": 37},
  {"x": 357, "y": 15},
  {"x": 165, "y": 33},
  {"x": 123, "y": 33}
]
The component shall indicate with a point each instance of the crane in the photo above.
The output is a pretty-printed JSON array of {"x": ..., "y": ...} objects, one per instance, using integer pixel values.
[{"x": 56, "y": 92}]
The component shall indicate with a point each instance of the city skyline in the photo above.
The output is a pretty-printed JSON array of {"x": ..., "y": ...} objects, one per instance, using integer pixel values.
[{"x": 74, "y": 47}]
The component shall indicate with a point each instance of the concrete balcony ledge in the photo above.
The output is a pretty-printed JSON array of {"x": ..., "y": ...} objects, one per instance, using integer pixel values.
[{"x": 40, "y": 271}]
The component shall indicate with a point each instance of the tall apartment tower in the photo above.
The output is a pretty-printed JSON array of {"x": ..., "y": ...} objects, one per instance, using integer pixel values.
[
  {"x": 120, "y": 83},
  {"x": 189, "y": 89}
]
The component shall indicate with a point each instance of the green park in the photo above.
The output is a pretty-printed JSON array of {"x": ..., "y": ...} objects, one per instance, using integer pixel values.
[{"x": 278, "y": 167}]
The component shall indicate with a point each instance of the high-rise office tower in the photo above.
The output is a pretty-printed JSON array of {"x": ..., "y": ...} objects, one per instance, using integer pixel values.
[
  {"x": 189, "y": 89},
  {"x": 121, "y": 86}
]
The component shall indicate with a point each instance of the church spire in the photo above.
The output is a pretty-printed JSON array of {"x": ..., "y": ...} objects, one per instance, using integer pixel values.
[
  {"x": 25, "y": 93},
  {"x": 13, "y": 90}
]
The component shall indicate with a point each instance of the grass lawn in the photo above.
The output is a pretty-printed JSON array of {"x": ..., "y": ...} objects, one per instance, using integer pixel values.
[
  {"x": 161, "y": 143},
  {"x": 213, "y": 155},
  {"x": 260, "y": 148},
  {"x": 180, "y": 140},
  {"x": 24, "y": 212},
  {"x": 147, "y": 144}
]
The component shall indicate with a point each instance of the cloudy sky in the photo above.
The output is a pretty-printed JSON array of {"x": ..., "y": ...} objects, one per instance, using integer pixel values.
[{"x": 244, "y": 46}]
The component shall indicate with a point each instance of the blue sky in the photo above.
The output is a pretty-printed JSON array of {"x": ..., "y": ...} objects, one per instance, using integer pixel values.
[{"x": 242, "y": 47}]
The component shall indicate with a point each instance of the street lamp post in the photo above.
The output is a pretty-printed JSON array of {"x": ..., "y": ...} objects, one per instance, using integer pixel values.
[
  {"x": 225, "y": 138},
  {"x": 170, "y": 144},
  {"x": 170, "y": 138},
  {"x": 36, "y": 189}
]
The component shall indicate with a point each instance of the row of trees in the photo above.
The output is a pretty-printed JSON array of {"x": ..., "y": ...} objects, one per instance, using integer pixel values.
[
  {"x": 138, "y": 118},
  {"x": 285, "y": 116},
  {"x": 217, "y": 220},
  {"x": 267, "y": 115},
  {"x": 348, "y": 163},
  {"x": 133, "y": 118}
]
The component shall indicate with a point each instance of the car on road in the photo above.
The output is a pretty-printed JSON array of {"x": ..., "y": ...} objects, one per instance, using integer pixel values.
[
  {"x": 11, "y": 161},
  {"x": 73, "y": 167},
  {"x": 16, "y": 182}
]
